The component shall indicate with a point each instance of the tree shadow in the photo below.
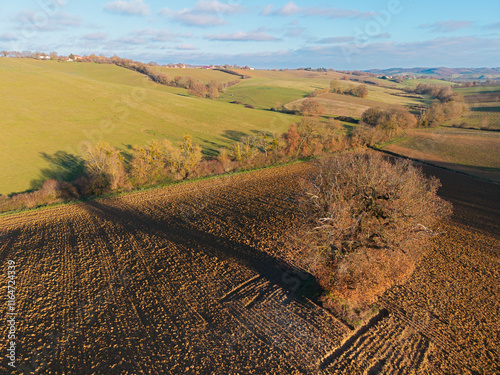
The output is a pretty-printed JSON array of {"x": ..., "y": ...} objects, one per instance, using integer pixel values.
[
  {"x": 127, "y": 153},
  {"x": 63, "y": 166},
  {"x": 234, "y": 135},
  {"x": 295, "y": 281}
]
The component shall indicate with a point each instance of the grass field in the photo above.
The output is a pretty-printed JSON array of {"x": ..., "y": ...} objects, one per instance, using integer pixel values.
[
  {"x": 472, "y": 151},
  {"x": 49, "y": 106},
  {"x": 483, "y": 89},
  {"x": 203, "y": 75},
  {"x": 269, "y": 88},
  {"x": 347, "y": 105},
  {"x": 427, "y": 81},
  {"x": 484, "y": 102}
]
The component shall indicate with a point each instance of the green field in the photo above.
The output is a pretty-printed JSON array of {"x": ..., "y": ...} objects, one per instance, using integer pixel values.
[
  {"x": 203, "y": 75},
  {"x": 483, "y": 89},
  {"x": 267, "y": 88},
  {"x": 427, "y": 81},
  {"x": 484, "y": 102},
  {"x": 48, "y": 106}
]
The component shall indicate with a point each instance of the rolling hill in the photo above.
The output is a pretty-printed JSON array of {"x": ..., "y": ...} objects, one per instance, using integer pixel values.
[{"x": 49, "y": 106}]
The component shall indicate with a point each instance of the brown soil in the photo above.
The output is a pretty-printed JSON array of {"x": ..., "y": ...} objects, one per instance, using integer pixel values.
[{"x": 194, "y": 279}]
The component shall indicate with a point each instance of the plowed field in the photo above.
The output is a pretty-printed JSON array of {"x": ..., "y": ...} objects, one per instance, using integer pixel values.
[{"x": 194, "y": 279}]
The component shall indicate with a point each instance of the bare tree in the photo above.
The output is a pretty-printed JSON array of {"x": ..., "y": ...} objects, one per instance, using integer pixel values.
[
  {"x": 369, "y": 220},
  {"x": 311, "y": 107}
]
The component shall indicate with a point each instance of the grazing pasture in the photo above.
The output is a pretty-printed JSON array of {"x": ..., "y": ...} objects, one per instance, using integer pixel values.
[{"x": 50, "y": 106}]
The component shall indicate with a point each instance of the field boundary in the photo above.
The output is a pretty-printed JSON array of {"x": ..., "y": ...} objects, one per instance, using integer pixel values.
[
  {"x": 152, "y": 188},
  {"x": 433, "y": 165}
]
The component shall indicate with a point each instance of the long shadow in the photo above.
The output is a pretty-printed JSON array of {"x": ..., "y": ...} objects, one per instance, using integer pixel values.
[
  {"x": 292, "y": 279},
  {"x": 476, "y": 203},
  {"x": 63, "y": 166},
  {"x": 234, "y": 135}
]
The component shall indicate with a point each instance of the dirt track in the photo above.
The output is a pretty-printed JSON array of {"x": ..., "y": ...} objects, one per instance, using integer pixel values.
[{"x": 193, "y": 279}]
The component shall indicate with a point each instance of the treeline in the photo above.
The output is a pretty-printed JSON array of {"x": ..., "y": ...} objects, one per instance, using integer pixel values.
[
  {"x": 108, "y": 170},
  {"x": 229, "y": 71},
  {"x": 198, "y": 88},
  {"x": 448, "y": 105},
  {"x": 361, "y": 91},
  {"x": 379, "y": 125}
]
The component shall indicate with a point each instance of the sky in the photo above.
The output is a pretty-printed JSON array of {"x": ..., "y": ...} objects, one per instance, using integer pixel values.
[{"x": 343, "y": 35}]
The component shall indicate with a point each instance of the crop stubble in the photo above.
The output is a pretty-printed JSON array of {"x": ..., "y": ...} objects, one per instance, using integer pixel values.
[{"x": 195, "y": 279}]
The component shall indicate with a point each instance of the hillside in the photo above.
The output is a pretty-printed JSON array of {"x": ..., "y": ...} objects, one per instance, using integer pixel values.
[{"x": 48, "y": 106}]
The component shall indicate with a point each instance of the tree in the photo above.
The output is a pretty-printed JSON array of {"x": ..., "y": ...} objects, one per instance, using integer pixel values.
[
  {"x": 374, "y": 116},
  {"x": 368, "y": 221},
  {"x": 311, "y": 107},
  {"x": 104, "y": 167},
  {"x": 213, "y": 89},
  {"x": 440, "y": 112},
  {"x": 361, "y": 91},
  {"x": 199, "y": 89},
  {"x": 190, "y": 155},
  {"x": 392, "y": 118},
  {"x": 336, "y": 87}
]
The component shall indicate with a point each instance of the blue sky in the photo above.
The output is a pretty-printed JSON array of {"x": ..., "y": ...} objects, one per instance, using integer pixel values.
[{"x": 357, "y": 34}]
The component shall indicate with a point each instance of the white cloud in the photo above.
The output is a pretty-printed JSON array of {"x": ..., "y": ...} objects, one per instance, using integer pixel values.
[
  {"x": 253, "y": 36},
  {"x": 216, "y": 7},
  {"x": 267, "y": 10},
  {"x": 43, "y": 22},
  {"x": 493, "y": 25},
  {"x": 132, "y": 40},
  {"x": 153, "y": 35},
  {"x": 132, "y": 7},
  {"x": 8, "y": 37},
  {"x": 336, "y": 40},
  {"x": 289, "y": 9},
  {"x": 292, "y": 9},
  {"x": 204, "y": 13},
  {"x": 447, "y": 26},
  {"x": 95, "y": 36},
  {"x": 186, "y": 47}
]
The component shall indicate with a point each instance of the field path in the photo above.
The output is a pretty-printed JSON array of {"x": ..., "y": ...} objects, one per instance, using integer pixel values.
[{"x": 195, "y": 279}]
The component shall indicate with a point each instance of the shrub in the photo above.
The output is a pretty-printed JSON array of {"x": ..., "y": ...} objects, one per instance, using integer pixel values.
[
  {"x": 224, "y": 159},
  {"x": 311, "y": 107},
  {"x": 153, "y": 163},
  {"x": 313, "y": 137},
  {"x": 199, "y": 89},
  {"x": 367, "y": 224},
  {"x": 104, "y": 167},
  {"x": 212, "y": 167},
  {"x": 440, "y": 112},
  {"x": 190, "y": 155}
]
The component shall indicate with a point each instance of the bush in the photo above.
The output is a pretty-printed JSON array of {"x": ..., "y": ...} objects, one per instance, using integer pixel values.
[
  {"x": 104, "y": 168},
  {"x": 367, "y": 225},
  {"x": 311, "y": 107},
  {"x": 198, "y": 89},
  {"x": 212, "y": 167}
]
